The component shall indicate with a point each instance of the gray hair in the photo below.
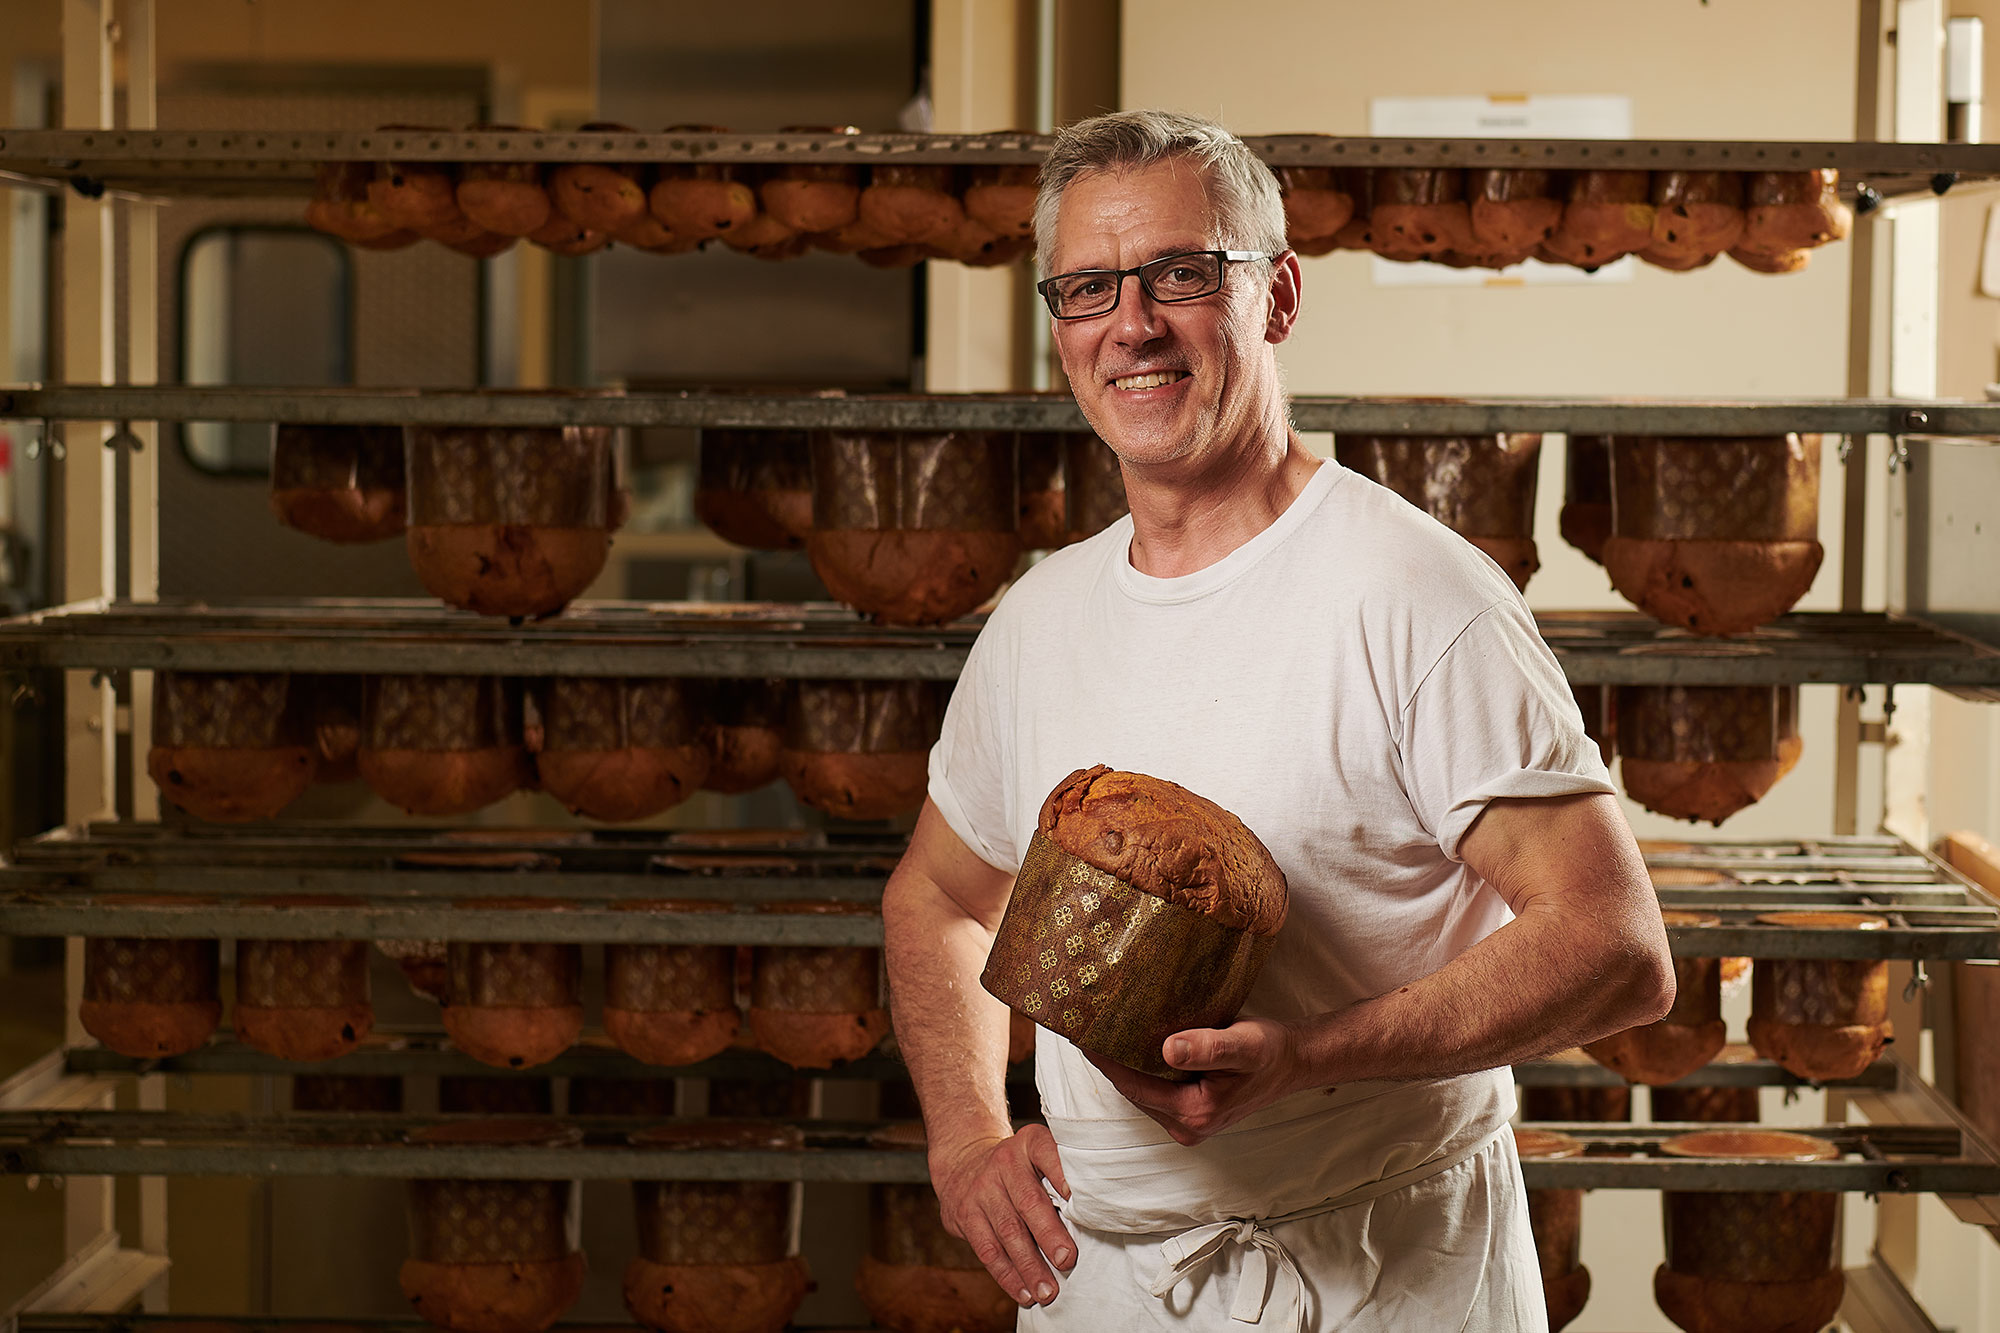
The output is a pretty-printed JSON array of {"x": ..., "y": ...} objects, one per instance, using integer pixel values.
[{"x": 1242, "y": 191}]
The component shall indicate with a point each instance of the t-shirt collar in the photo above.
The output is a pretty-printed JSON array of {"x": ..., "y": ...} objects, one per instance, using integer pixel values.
[{"x": 1187, "y": 587}]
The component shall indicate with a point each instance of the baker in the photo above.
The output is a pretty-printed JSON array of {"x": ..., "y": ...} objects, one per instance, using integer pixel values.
[{"x": 1368, "y": 693}]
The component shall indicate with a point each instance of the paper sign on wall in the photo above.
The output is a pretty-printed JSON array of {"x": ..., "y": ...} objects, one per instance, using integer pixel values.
[{"x": 1500, "y": 117}]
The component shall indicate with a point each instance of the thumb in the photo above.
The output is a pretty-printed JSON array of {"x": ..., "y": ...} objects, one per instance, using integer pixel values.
[{"x": 1207, "y": 1048}]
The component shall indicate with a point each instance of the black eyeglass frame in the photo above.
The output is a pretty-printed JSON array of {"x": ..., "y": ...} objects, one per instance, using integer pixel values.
[{"x": 1118, "y": 276}]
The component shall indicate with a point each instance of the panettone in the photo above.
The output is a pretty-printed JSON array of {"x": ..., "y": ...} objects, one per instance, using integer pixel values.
[{"x": 1140, "y": 910}]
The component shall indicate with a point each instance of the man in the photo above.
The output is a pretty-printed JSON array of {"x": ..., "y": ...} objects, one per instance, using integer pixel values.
[{"x": 1368, "y": 694}]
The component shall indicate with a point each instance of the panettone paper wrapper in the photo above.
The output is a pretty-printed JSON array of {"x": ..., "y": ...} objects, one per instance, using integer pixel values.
[
  {"x": 1112, "y": 968},
  {"x": 1754, "y": 488},
  {"x": 1476, "y": 485}
]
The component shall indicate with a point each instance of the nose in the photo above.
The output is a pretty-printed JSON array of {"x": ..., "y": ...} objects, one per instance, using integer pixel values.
[{"x": 1136, "y": 321}]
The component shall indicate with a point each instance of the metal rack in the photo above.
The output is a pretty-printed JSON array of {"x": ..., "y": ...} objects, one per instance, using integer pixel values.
[
  {"x": 822, "y": 640},
  {"x": 995, "y": 411},
  {"x": 238, "y": 162},
  {"x": 1894, "y": 1159},
  {"x": 124, "y": 879}
]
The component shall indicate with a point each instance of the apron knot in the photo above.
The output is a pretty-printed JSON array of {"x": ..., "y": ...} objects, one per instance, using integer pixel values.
[{"x": 1192, "y": 1251}]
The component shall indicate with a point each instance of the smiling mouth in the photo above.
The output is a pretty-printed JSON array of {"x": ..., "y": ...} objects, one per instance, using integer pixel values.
[{"x": 1152, "y": 380}]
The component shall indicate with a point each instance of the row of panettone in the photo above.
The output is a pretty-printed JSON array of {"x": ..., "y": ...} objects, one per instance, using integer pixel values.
[
  {"x": 888, "y": 214},
  {"x": 908, "y": 527},
  {"x": 512, "y": 1004},
  {"x": 1494, "y": 217},
  {"x": 1714, "y": 535},
  {"x": 1746, "y": 1261},
  {"x": 239, "y": 746}
]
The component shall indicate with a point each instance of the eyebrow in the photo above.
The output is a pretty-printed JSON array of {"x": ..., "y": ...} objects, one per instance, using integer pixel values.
[{"x": 1166, "y": 253}]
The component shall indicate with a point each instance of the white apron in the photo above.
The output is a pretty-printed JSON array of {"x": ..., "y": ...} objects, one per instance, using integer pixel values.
[{"x": 1440, "y": 1245}]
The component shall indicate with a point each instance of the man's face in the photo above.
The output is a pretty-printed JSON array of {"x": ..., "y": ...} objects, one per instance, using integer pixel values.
[{"x": 1160, "y": 383}]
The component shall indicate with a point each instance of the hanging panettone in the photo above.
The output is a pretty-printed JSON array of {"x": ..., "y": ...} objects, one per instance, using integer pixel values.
[
  {"x": 754, "y": 487},
  {"x": 340, "y": 205},
  {"x": 1699, "y": 752},
  {"x": 617, "y": 748},
  {"x": 1419, "y": 213},
  {"x": 910, "y": 204},
  {"x": 1717, "y": 536},
  {"x": 338, "y": 483},
  {"x": 504, "y": 198},
  {"x": 916, "y": 1276},
  {"x": 513, "y": 1004},
  {"x": 1749, "y": 1261},
  {"x": 303, "y": 999},
  {"x": 494, "y": 1256},
  {"x": 860, "y": 749},
  {"x": 913, "y": 527},
  {"x": 1697, "y": 215},
  {"x": 1689, "y": 1036},
  {"x": 1585, "y": 521},
  {"x": 603, "y": 196},
  {"x": 336, "y": 727},
  {"x": 1170, "y": 906},
  {"x": 442, "y": 745},
  {"x": 1513, "y": 212},
  {"x": 1002, "y": 197},
  {"x": 700, "y": 200},
  {"x": 510, "y": 521},
  {"x": 1694, "y": 1105},
  {"x": 419, "y": 196},
  {"x": 1480, "y": 486},
  {"x": 1606, "y": 216},
  {"x": 671, "y": 1004},
  {"x": 231, "y": 746},
  {"x": 1584, "y": 1105},
  {"x": 717, "y": 1256},
  {"x": 1598, "y": 706},
  {"x": 1038, "y": 460},
  {"x": 1821, "y": 1018},
  {"x": 1789, "y": 214},
  {"x": 1316, "y": 207},
  {"x": 810, "y": 197},
  {"x": 746, "y": 733},
  {"x": 1555, "y": 1217},
  {"x": 814, "y": 1006},
  {"x": 150, "y": 998},
  {"x": 1093, "y": 487}
]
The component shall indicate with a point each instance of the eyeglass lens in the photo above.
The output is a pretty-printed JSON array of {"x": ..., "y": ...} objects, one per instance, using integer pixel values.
[{"x": 1171, "y": 278}]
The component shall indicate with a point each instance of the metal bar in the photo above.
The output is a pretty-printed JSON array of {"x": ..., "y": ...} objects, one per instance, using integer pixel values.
[
  {"x": 981, "y": 412},
  {"x": 75, "y": 153},
  {"x": 805, "y": 641},
  {"x": 572, "y": 923},
  {"x": 1900, "y": 1159}
]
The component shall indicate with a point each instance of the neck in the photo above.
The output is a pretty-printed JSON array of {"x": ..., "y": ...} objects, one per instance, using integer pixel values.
[{"x": 1190, "y": 513}]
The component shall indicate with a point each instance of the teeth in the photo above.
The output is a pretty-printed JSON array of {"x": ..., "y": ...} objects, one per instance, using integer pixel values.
[{"x": 1152, "y": 381}]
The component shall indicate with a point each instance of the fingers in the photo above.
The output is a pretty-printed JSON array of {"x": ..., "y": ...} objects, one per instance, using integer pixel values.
[
  {"x": 1005, "y": 1215},
  {"x": 1042, "y": 1152}
]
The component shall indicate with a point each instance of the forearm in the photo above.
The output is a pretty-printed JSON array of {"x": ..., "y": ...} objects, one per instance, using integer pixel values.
[
  {"x": 953, "y": 1035},
  {"x": 1543, "y": 983}
]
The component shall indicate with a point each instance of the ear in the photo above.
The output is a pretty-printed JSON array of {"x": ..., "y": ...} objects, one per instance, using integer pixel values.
[{"x": 1286, "y": 293}]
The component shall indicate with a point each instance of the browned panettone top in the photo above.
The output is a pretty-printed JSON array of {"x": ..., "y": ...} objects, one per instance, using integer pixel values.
[
  {"x": 439, "y": 714},
  {"x": 1698, "y": 723},
  {"x": 230, "y": 710},
  {"x": 558, "y": 476},
  {"x": 600, "y": 713},
  {"x": 337, "y": 458},
  {"x": 1163, "y": 839},
  {"x": 1476, "y": 485},
  {"x": 864, "y": 716},
  {"x": 1754, "y": 488},
  {"x": 886, "y": 481}
]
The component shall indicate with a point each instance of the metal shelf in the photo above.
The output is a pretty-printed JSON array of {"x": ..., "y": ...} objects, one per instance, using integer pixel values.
[
  {"x": 154, "y": 881},
  {"x": 809, "y": 640},
  {"x": 999, "y": 411},
  {"x": 1879, "y": 1159},
  {"x": 233, "y": 162},
  {"x": 405, "y": 1054}
]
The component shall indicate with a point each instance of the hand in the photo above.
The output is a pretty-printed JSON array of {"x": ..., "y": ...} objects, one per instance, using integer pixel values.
[
  {"x": 1244, "y": 1068},
  {"x": 991, "y": 1196}
]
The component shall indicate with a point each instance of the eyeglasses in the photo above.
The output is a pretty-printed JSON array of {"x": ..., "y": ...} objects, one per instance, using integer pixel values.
[{"x": 1168, "y": 279}]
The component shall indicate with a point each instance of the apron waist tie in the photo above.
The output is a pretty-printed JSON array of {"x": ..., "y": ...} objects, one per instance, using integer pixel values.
[{"x": 1192, "y": 1251}]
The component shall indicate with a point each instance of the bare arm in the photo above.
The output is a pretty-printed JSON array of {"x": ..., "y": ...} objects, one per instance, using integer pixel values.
[
  {"x": 939, "y": 913},
  {"x": 1586, "y": 956}
]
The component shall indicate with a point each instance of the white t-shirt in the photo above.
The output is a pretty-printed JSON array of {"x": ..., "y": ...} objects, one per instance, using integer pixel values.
[{"x": 1355, "y": 683}]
